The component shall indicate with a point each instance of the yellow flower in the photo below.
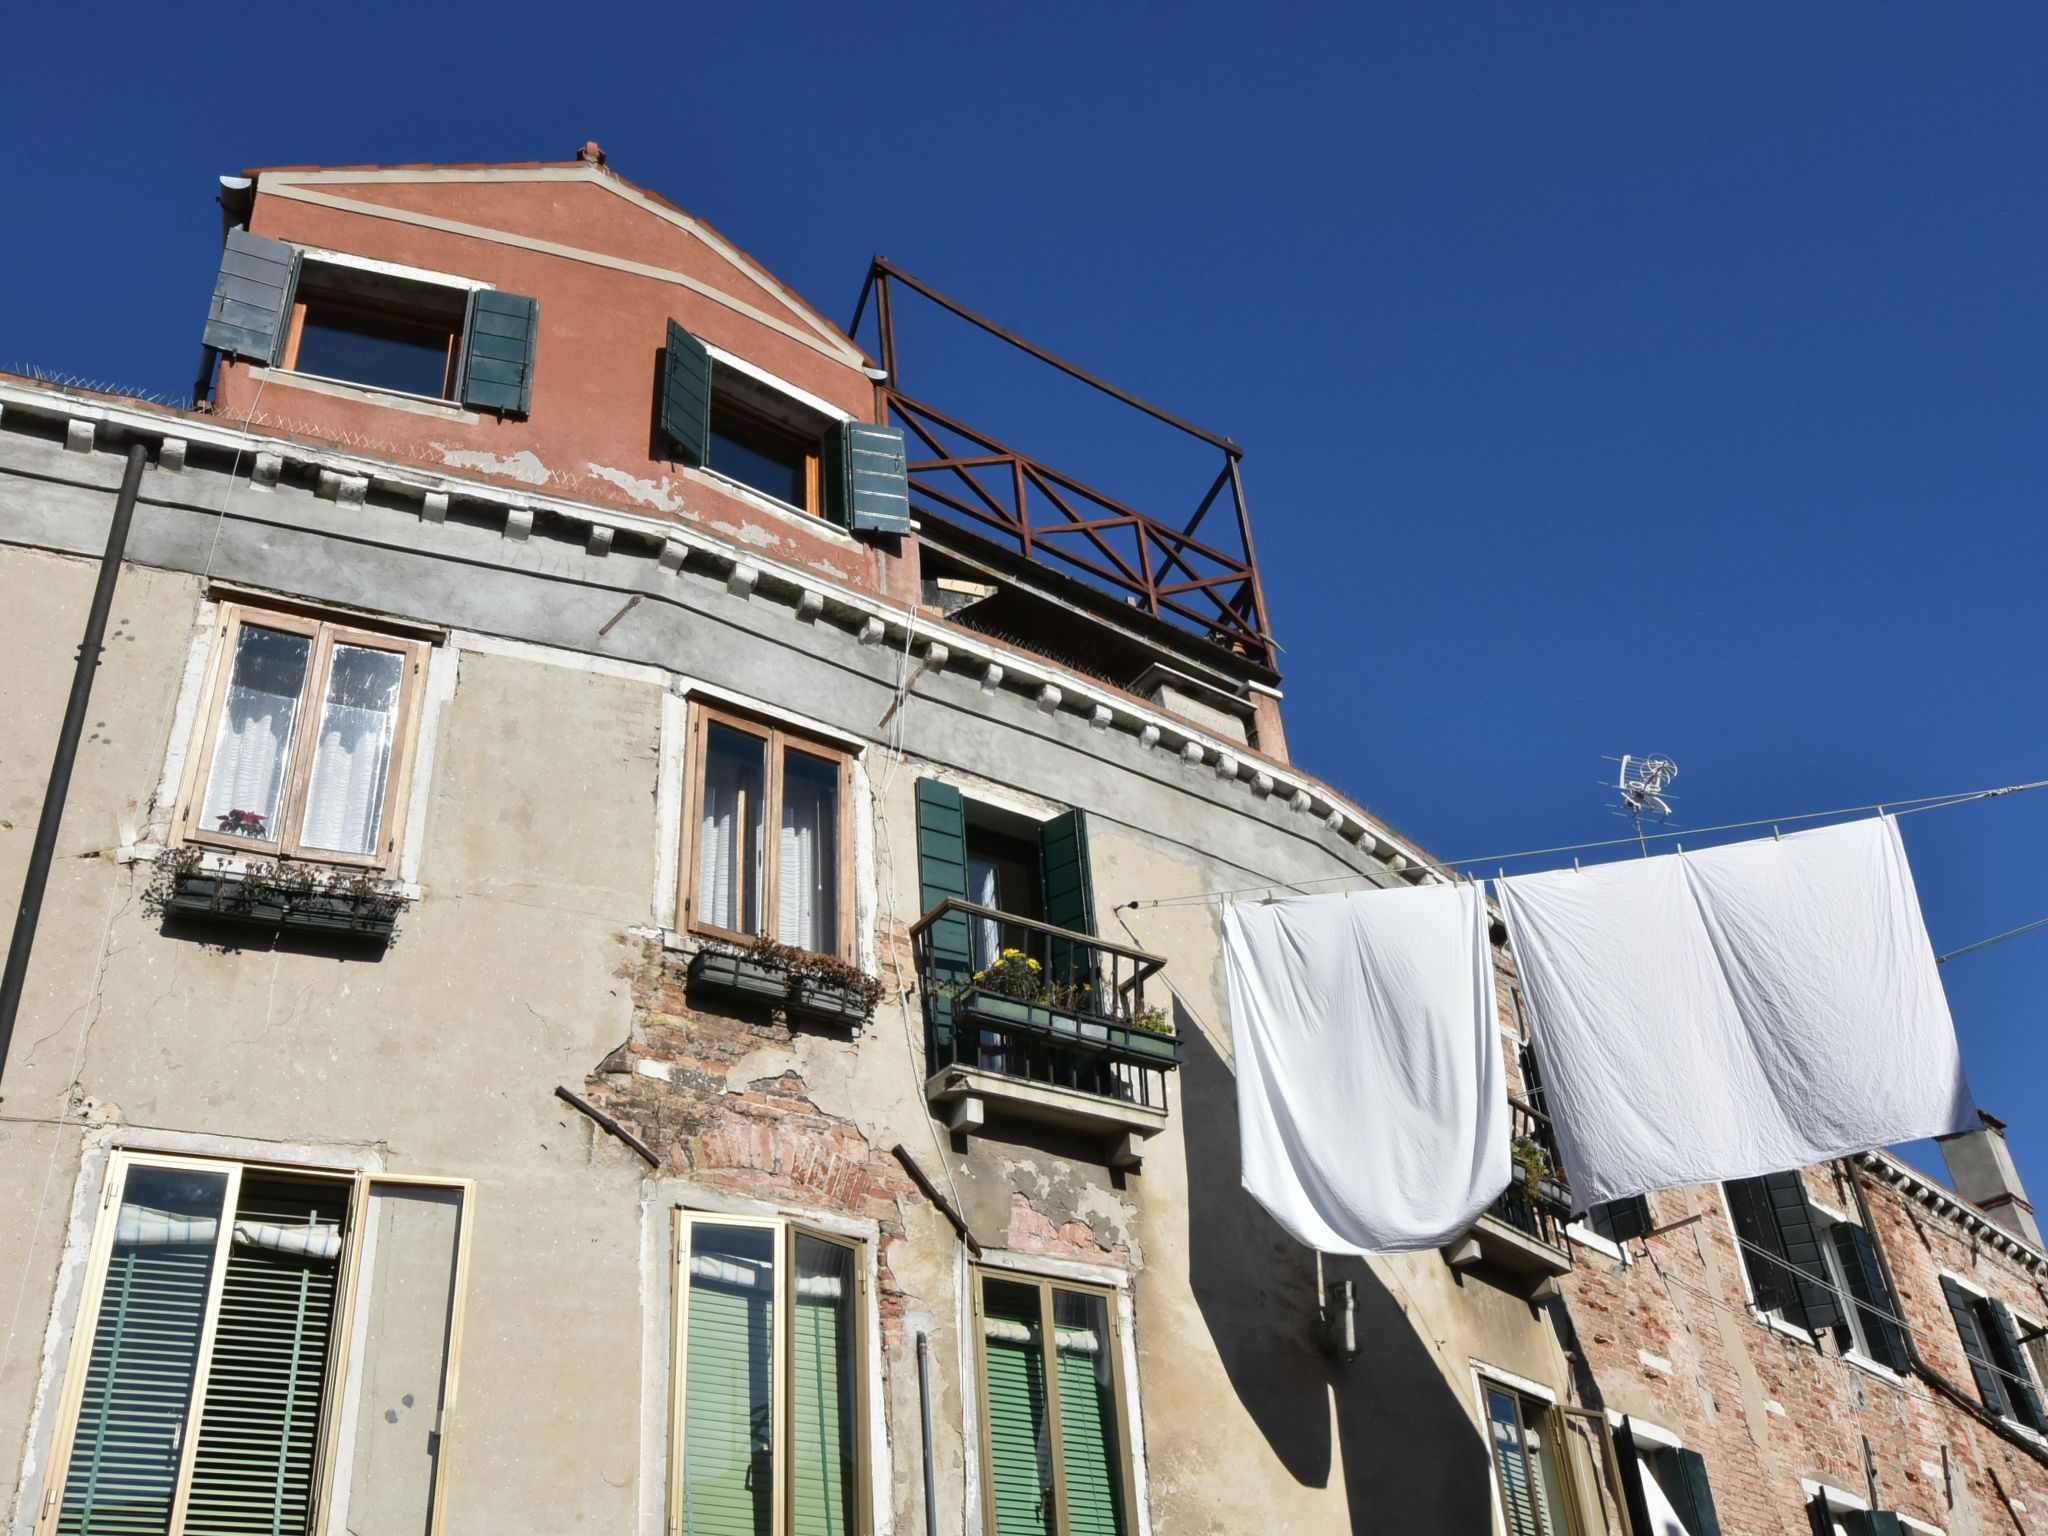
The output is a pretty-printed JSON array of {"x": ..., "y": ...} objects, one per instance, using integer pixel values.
[
  {"x": 980, "y": 975},
  {"x": 1032, "y": 963}
]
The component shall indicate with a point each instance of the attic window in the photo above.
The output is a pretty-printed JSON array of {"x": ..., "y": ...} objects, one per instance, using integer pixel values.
[
  {"x": 766, "y": 444},
  {"x": 370, "y": 327}
]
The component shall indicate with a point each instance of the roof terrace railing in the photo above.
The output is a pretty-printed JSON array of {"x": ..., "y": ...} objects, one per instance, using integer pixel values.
[{"x": 966, "y": 476}]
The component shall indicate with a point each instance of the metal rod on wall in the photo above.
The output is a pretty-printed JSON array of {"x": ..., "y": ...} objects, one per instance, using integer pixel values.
[{"x": 45, "y": 847}]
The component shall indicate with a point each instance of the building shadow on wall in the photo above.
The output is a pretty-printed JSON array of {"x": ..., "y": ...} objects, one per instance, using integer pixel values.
[{"x": 1411, "y": 1459}]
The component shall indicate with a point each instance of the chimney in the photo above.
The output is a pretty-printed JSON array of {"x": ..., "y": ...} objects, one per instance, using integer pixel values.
[
  {"x": 1980, "y": 1163},
  {"x": 590, "y": 154}
]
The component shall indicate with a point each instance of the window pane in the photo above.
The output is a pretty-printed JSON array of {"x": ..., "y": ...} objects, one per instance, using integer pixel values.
[
  {"x": 728, "y": 1369},
  {"x": 145, "y": 1346},
  {"x": 824, "y": 1448},
  {"x": 1092, "y": 1460},
  {"x": 398, "y": 1366},
  {"x": 1014, "y": 1360},
  {"x": 352, "y": 757},
  {"x": 1543, "y": 1487},
  {"x": 808, "y": 893},
  {"x": 1518, "y": 1498},
  {"x": 259, "y": 1429},
  {"x": 773, "y": 462},
  {"x": 383, "y": 351},
  {"x": 252, "y": 749},
  {"x": 730, "y": 834}
]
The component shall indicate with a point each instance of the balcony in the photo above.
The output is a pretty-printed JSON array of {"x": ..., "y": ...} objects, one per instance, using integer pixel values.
[
  {"x": 1028, "y": 1022},
  {"x": 1523, "y": 1235}
]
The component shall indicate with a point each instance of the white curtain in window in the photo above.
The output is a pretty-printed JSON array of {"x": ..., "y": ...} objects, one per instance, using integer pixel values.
[
  {"x": 352, "y": 758},
  {"x": 807, "y": 894},
  {"x": 733, "y": 783},
  {"x": 253, "y": 747},
  {"x": 987, "y": 932}
]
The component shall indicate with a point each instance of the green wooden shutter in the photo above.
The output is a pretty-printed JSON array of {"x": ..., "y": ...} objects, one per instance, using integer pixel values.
[
  {"x": 942, "y": 873},
  {"x": 1875, "y": 1304},
  {"x": 686, "y": 395},
  {"x": 1871, "y": 1522},
  {"x": 251, "y": 297},
  {"x": 1761, "y": 1248},
  {"x": 1067, "y": 880},
  {"x": 1088, "y": 1448},
  {"x": 1799, "y": 1241},
  {"x": 1687, "y": 1489},
  {"x": 823, "y": 1498},
  {"x": 1620, "y": 1220},
  {"x": 259, "y": 1429},
  {"x": 1015, "y": 1370},
  {"x": 498, "y": 351},
  {"x": 1962, "y": 1307},
  {"x": 728, "y": 1472},
  {"x": 2019, "y": 1383},
  {"x": 123, "y": 1469},
  {"x": 866, "y": 483}
]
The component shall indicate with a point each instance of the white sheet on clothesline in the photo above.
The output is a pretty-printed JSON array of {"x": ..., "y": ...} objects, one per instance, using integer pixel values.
[
  {"x": 1737, "y": 1011},
  {"x": 1371, "y": 1091}
]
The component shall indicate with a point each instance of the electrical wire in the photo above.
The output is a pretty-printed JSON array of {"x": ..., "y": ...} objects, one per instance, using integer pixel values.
[
  {"x": 1996, "y": 938},
  {"x": 1893, "y": 807}
]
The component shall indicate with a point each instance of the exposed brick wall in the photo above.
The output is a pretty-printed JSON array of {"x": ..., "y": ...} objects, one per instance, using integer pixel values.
[{"x": 1766, "y": 1409}]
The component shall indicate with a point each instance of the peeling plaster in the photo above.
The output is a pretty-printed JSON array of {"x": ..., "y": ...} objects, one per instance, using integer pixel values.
[
  {"x": 649, "y": 493},
  {"x": 524, "y": 466},
  {"x": 746, "y": 533}
]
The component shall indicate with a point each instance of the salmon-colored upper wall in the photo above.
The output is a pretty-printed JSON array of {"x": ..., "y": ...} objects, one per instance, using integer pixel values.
[{"x": 590, "y": 435}]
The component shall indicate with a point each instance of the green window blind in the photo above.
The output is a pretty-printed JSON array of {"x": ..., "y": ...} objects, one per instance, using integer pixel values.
[
  {"x": 259, "y": 1429},
  {"x": 942, "y": 873},
  {"x": 1014, "y": 1367},
  {"x": 1088, "y": 1449},
  {"x": 123, "y": 1469},
  {"x": 823, "y": 1404},
  {"x": 1962, "y": 1307},
  {"x": 498, "y": 351},
  {"x": 866, "y": 485},
  {"x": 728, "y": 1404}
]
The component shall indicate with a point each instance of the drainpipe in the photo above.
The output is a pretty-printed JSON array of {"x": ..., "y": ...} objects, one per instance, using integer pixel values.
[
  {"x": 45, "y": 848},
  {"x": 1921, "y": 1368},
  {"x": 924, "y": 1404}
]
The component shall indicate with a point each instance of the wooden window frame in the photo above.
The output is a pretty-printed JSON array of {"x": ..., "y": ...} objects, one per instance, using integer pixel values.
[
  {"x": 1045, "y": 1285},
  {"x": 362, "y": 1183},
  {"x": 777, "y": 740},
  {"x": 451, "y": 375},
  {"x": 1547, "y": 1417},
  {"x": 325, "y": 635},
  {"x": 813, "y": 450},
  {"x": 782, "y": 1362}
]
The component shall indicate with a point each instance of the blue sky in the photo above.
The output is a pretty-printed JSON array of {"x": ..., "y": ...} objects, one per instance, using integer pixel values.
[{"x": 1612, "y": 378}]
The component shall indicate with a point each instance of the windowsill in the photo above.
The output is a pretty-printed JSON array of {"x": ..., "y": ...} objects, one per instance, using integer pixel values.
[
  {"x": 368, "y": 394},
  {"x": 1864, "y": 1363},
  {"x": 214, "y": 860},
  {"x": 1586, "y": 1237},
  {"x": 2018, "y": 1428},
  {"x": 1777, "y": 1324},
  {"x": 740, "y": 490}
]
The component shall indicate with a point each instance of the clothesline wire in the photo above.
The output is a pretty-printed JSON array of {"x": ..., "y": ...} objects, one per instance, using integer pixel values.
[
  {"x": 1996, "y": 938},
  {"x": 1906, "y": 807}
]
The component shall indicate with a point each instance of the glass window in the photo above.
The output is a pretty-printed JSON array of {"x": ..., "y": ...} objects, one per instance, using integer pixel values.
[
  {"x": 768, "y": 1373},
  {"x": 307, "y": 739},
  {"x": 1056, "y": 1460},
  {"x": 206, "y": 1385},
  {"x": 756, "y": 452},
  {"x": 751, "y": 777},
  {"x": 1524, "y": 1465},
  {"x": 376, "y": 329}
]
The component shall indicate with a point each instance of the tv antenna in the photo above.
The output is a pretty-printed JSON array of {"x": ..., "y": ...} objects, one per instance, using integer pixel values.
[{"x": 1641, "y": 784}]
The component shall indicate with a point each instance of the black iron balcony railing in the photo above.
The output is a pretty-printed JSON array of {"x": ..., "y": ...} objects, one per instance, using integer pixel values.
[
  {"x": 1047, "y": 1005},
  {"x": 1537, "y": 1201}
]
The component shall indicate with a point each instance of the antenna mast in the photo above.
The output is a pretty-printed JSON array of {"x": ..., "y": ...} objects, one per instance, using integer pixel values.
[{"x": 1641, "y": 785}]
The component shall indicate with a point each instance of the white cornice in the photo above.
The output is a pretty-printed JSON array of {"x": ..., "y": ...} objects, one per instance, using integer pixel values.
[{"x": 1926, "y": 1192}]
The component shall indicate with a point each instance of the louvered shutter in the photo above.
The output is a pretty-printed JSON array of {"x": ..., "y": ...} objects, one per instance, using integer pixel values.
[
  {"x": 1068, "y": 881},
  {"x": 1819, "y": 1516},
  {"x": 252, "y": 294},
  {"x": 867, "y": 486},
  {"x": 1799, "y": 1241},
  {"x": 1689, "y": 1493},
  {"x": 1620, "y": 1220},
  {"x": 686, "y": 395},
  {"x": 498, "y": 352},
  {"x": 942, "y": 874},
  {"x": 1519, "y": 1500},
  {"x": 2019, "y": 1385},
  {"x": 1088, "y": 1449},
  {"x": 1015, "y": 1372},
  {"x": 728, "y": 1473},
  {"x": 822, "y": 1408},
  {"x": 123, "y": 1469},
  {"x": 259, "y": 1430},
  {"x": 1875, "y": 1304},
  {"x": 1962, "y": 1307},
  {"x": 1770, "y": 1283}
]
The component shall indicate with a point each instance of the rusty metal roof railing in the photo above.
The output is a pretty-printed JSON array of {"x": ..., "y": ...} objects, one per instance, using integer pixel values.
[{"x": 966, "y": 476}]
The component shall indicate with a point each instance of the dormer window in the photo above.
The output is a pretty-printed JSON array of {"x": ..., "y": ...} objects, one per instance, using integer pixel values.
[
  {"x": 367, "y": 325},
  {"x": 774, "y": 446}
]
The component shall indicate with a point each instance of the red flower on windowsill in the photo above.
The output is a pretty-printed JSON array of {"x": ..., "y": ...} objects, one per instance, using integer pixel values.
[{"x": 244, "y": 823}]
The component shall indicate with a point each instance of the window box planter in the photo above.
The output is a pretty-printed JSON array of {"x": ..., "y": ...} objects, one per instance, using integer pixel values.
[
  {"x": 1010, "y": 1010},
  {"x": 823, "y": 1001},
  {"x": 226, "y": 898},
  {"x": 737, "y": 976},
  {"x": 1154, "y": 1046}
]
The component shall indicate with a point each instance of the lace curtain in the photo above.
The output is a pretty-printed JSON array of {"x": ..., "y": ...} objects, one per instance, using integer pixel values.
[
  {"x": 352, "y": 757},
  {"x": 253, "y": 748}
]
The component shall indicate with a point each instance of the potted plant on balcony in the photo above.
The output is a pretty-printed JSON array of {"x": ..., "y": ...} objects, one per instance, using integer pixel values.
[
  {"x": 1152, "y": 1034},
  {"x": 1533, "y": 1170},
  {"x": 1013, "y": 987}
]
